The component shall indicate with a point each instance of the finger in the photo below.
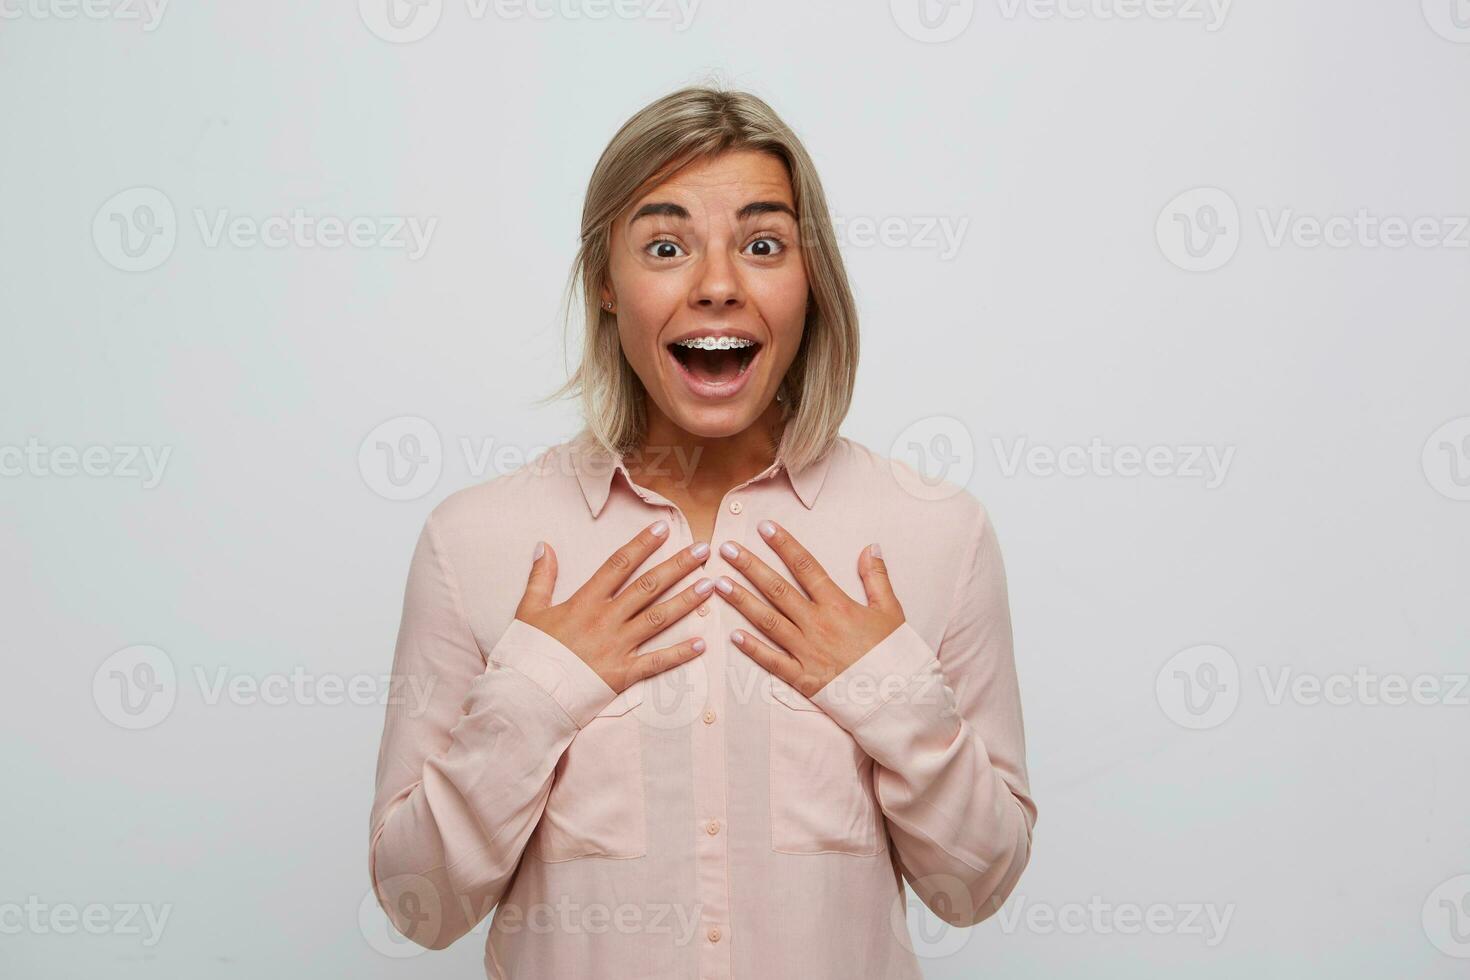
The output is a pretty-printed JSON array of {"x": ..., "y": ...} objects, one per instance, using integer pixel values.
[
  {"x": 808, "y": 572},
  {"x": 772, "y": 584},
  {"x": 542, "y": 580},
  {"x": 782, "y": 665},
  {"x": 657, "y": 580},
  {"x": 613, "y": 572},
  {"x": 657, "y": 618},
  {"x": 761, "y": 616},
  {"x": 876, "y": 583},
  {"x": 642, "y": 666}
]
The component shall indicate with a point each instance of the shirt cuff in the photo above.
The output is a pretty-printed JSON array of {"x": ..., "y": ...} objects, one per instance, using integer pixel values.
[
  {"x": 900, "y": 667},
  {"x": 563, "y": 675}
]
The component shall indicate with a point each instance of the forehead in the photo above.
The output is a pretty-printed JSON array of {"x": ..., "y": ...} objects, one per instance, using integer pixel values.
[{"x": 733, "y": 178}]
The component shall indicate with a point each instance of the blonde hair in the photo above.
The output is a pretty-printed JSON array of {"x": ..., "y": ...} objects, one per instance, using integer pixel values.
[{"x": 683, "y": 127}]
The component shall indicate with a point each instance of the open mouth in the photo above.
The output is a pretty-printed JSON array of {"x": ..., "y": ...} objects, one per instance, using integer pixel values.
[{"x": 711, "y": 363}]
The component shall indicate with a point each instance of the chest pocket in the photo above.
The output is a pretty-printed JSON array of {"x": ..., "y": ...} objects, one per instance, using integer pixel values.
[
  {"x": 821, "y": 781},
  {"x": 596, "y": 807}
]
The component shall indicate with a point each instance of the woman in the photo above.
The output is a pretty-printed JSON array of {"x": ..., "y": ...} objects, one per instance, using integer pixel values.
[{"x": 707, "y": 739}]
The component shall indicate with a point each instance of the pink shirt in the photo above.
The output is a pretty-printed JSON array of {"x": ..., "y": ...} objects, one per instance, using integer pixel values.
[{"x": 709, "y": 822}]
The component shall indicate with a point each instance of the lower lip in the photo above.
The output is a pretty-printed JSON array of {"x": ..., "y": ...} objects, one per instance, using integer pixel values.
[{"x": 715, "y": 392}]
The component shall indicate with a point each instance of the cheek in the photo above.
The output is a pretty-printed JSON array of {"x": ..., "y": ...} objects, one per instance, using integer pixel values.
[
  {"x": 647, "y": 303},
  {"x": 782, "y": 300}
]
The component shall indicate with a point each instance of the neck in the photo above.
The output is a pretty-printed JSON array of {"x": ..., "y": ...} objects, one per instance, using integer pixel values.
[{"x": 679, "y": 464}]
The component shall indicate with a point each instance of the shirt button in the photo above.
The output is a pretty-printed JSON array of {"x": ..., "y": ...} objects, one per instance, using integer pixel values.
[
  {"x": 736, "y": 506},
  {"x": 704, "y": 609},
  {"x": 709, "y": 717},
  {"x": 714, "y": 935},
  {"x": 712, "y": 828}
]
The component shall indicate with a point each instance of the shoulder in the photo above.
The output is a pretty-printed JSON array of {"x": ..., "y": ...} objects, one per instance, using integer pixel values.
[
  {"x": 541, "y": 484},
  {"x": 927, "y": 495}
]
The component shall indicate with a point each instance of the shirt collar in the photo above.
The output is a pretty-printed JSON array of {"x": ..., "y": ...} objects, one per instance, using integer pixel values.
[{"x": 595, "y": 467}]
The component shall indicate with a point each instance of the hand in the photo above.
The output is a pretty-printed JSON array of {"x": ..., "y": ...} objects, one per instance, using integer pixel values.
[
  {"x": 604, "y": 629},
  {"x": 822, "y": 635}
]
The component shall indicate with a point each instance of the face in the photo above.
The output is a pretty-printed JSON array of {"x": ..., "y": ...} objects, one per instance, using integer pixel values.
[{"x": 710, "y": 290}]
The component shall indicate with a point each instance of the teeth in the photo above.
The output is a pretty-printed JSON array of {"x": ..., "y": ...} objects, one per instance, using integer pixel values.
[{"x": 716, "y": 343}]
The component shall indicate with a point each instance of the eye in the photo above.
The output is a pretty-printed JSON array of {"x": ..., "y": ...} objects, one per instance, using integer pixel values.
[
  {"x": 665, "y": 248},
  {"x": 773, "y": 245}
]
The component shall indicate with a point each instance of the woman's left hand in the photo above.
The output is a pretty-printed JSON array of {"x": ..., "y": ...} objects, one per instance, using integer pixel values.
[{"x": 822, "y": 635}]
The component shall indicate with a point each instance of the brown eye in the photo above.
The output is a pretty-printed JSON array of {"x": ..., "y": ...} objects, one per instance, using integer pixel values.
[
  {"x": 766, "y": 246},
  {"x": 663, "y": 248}
]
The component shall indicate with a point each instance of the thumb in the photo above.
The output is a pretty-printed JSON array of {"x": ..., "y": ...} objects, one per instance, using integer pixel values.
[
  {"x": 541, "y": 581},
  {"x": 874, "y": 573}
]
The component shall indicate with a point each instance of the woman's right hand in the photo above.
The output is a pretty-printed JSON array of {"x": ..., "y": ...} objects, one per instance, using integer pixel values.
[{"x": 605, "y": 627}]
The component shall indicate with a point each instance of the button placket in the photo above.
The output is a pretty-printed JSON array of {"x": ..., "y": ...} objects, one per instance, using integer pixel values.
[
  {"x": 708, "y": 741},
  {"x": 711, "y": 755}
]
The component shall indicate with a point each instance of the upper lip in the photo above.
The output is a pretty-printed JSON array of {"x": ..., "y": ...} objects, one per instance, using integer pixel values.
[{"x": 716, "y": 332}]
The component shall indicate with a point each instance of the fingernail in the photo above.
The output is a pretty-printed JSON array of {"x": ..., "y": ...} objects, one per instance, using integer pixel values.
[
  {"x": 729, "y": 550},
  {"x": 704, "y": 585},
  {"x": 540, "y": 550},
  {"x": 737, "y": 636},
  {"x": 724, "y": 584},
  {"x": 766, "y": 528},
  {"x": 698, "y": 645},
  {"x": 874, "y": 550},
  {"x": 699, "y": 550},
  {"x": 660, "y": 528}
]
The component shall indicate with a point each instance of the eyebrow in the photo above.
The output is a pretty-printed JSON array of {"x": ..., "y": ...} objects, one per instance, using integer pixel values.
[{"x": 669, "y": 209}]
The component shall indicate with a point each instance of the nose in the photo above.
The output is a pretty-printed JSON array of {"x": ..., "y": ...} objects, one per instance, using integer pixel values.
[{"x": 718, "y": 286}]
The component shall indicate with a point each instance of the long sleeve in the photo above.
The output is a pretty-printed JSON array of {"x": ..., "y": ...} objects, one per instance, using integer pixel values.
[
  {"x": 470, "y": 744},
  {"x": 945, "y": 733}
]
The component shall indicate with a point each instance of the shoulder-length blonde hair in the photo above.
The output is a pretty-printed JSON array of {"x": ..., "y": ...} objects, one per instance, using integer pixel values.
[{"x": 680, "y": 128}]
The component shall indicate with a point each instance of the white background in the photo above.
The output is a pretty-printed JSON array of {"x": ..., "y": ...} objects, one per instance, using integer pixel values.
[{"x": 1053, "y": 140}]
